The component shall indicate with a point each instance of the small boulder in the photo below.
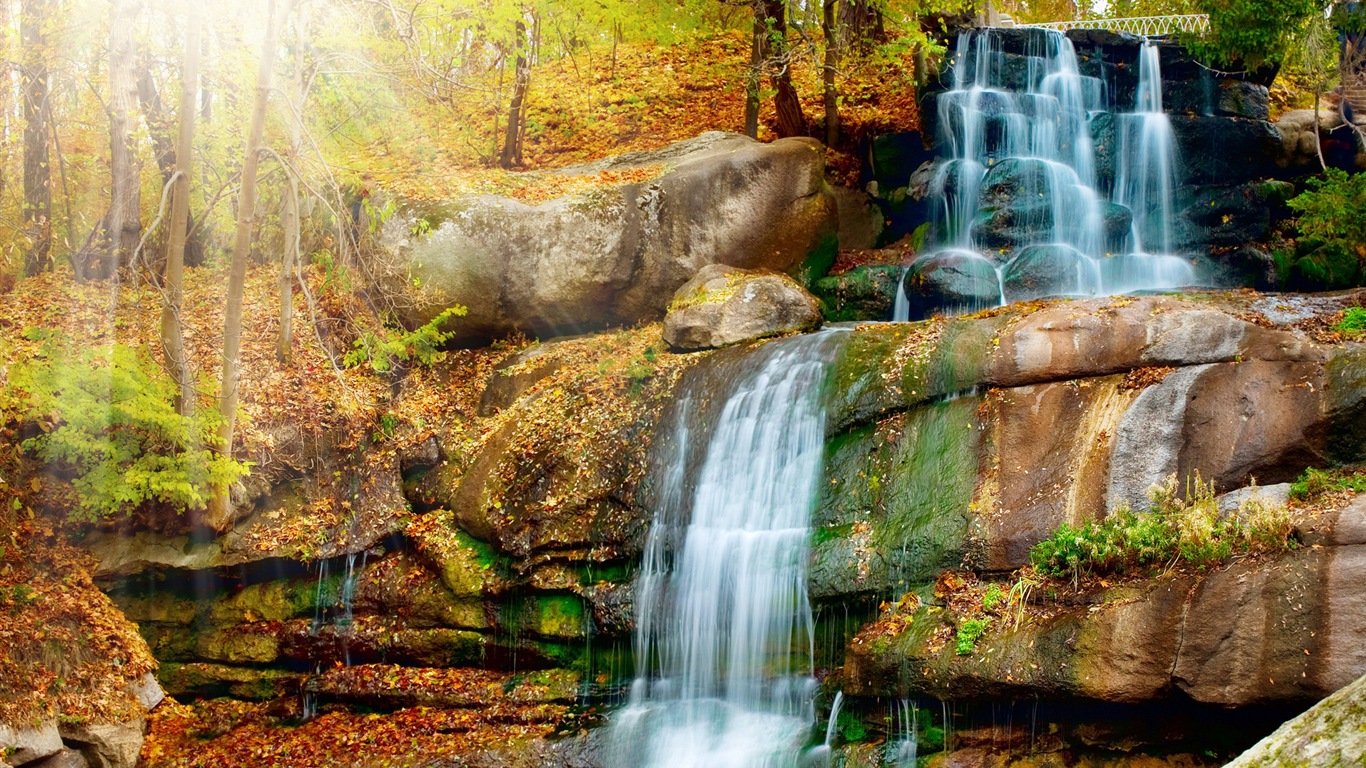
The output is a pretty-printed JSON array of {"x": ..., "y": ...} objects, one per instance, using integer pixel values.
[
  {"x": 25, "y": 745},
  {"x": 1050, "y": 270},
  {"x": 113, "y": 745},
  {"x": 722, "y": 306},
  {"x": 1332, "y": 733},
  {"x": 950, "y": 281},
  {"x": 862, "y": 293}
]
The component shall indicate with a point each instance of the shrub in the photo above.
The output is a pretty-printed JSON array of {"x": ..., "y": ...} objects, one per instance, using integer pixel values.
[
  {"x": 1332, "y": 224},
  {"x": 1251, "y": 33},
  {"x": 108, "y": 417},
  {"x": 393, "y": 346},
  {"x": 1174, "y": 528},
  {"x": 993, "y": 597}
]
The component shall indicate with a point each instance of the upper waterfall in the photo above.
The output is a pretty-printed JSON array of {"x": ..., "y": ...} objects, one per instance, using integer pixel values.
[{"x": 1022, "y": 205}]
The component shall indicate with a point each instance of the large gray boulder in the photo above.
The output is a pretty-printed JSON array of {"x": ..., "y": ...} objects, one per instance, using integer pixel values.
[
  {"x": 29, "y": 743},
  {"x": 1330, "y": 735},
  {"x": 723, "y": 306},
  {"x": 616, "y": 256}
]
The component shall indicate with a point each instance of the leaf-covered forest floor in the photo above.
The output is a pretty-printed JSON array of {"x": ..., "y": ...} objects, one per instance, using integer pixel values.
[{"x": 586, "y": 108}]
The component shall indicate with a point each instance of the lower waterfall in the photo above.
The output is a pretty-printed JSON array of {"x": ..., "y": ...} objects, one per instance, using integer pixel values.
[{"x": 724, "y": 629}]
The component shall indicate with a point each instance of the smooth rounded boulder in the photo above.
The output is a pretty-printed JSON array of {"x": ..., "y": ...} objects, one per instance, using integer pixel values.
[
  {"x": 723, "y": 306},
  {"x": 616, "y": 256}
]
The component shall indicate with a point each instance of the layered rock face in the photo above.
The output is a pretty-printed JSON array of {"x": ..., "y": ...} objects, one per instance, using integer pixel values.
[
  {"x": 966, "y": 442},
  {"x": 578, "y": 264}
]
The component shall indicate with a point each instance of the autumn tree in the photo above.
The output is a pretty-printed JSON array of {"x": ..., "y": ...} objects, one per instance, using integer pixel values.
[
  {"x": 34, "y": 15},
  {"x": 772, "y": 15},
  {"x": 172, "y": 332},
  {"x": 516, "y": 127},
  {"x": 122, "y": 225},
  {"x": 220, "y": 508}
]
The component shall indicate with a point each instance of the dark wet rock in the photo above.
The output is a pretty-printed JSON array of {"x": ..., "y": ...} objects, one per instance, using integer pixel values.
[
  {"x": 951, "y": 281},
  {"x": 1048, "y": 270},
  {"x": 862, "y": 293},
  {"x": 616, "y": 256},
  {"x": 1225, "y": 150},
  {"x": 721, "y": 306}
]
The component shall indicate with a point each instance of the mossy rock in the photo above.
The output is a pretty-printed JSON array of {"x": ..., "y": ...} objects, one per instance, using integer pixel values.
[
  {"x": 862, "y": 293},
  {"x": 213, "y": 680},
  {"x": 251, "y": 644}
]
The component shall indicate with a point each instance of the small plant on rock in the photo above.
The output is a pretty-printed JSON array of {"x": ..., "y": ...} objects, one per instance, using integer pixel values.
[
  {"x": 1353, "y": 323},
  {"x": 968, "y": 634}
]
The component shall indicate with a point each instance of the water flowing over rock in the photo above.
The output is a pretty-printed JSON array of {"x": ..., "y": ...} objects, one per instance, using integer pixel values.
[
  {"x": 724, "y": 628},
  {"x": 616, "y": 256},
  {"x": 1022, "y": 182}
]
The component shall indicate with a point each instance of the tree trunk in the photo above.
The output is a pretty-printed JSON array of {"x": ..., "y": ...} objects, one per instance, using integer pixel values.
[
  {"x": 791, "y": 121},
  {"x": 164, "y": 151},
  {"x": 832, "y": 52},
  {"x": 172, "y": 332},
  {"x": 123, "y": 225},
  {"x": 512, "y": 144},
  {"x": 37, "y": 136},
  {"x": 861, "y": 25},
  {"x": 220, "y": 507},
  {"x": 292, "y": 215},
  {"x": 758, "y": 51}
]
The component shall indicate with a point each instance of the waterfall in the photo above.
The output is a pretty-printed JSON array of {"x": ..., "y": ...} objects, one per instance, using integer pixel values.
[
  {"x": 1017, "y": 196},
  {"x": 724, "y": 631},
  {"x": 902, "y": 751}
]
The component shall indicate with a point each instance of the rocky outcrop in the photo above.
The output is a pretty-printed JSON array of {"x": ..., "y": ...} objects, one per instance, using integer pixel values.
[
  {"x": 1306, "y": 136},
  {"x": 721, "y": 306},
  {"x": 616, "y": 256},
  {"x": 1255, "y": 633},
  {"x": 1330, "y": 735},
  {"x": 967, "y": 441}
]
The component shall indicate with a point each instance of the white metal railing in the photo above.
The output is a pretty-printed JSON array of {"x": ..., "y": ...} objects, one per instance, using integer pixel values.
[{"x": 1147, "y": 26}]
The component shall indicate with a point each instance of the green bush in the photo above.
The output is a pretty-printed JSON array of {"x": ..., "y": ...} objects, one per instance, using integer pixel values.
[
  {"x": 1173, "y": 529},
  {"x": 1251, "y": 33},
  {"x": 993, "y": 597},
  {"x": 969, "y": 633},
  {"x": 1332, "y": 224},
  {"x": 1315, "y": 483},
  {"x": 108, "y": 417},
  {"x": 393, "y": 346}
]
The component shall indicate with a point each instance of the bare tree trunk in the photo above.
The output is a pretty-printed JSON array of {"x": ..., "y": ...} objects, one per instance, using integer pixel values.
[
  {"x": 164, "y": 151},
  {"x": 292, "y": 215},
  {"x": 122, "y": 225},
  {"x": 37, "y": 135},
  {"x": 758, "y": 51},
  {"x": 172, "y": 331},
  {"x": 512, "y": 144},
  {"x": 220, "y": 507},
  {"x": 791, "y": 121},
  {"x": 832, "y": 53}
]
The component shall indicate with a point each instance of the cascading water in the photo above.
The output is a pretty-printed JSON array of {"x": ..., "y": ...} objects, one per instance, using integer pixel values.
[
  {"x": 1018, "y": 204},
  {"x": 724, "y": 629}
]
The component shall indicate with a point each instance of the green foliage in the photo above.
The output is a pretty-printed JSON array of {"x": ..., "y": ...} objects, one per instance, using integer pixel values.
[
  {"x": 1316, "y": 483},
  {"x": 108, "y": 417},
  {"x": 968, "y": 634},
  {"x": 994, "y": 596},
  {"x": 1251, "y": 33},
  {"x": 393, "y": 346},
  {"x": 851, "y": 727},
  {"x": 1174, "y": 529},
  {"x": 1353, "y": 323},
  {"x": 19, "y": 596},
  {"x": 1332, "y": 224}
]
